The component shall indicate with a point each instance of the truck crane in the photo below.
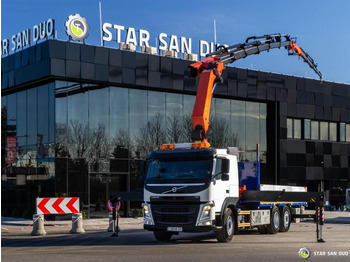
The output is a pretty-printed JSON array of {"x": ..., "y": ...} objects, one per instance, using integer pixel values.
[
  {"x": 192, "y": 187},
  {"x": 210, "y": 70}
]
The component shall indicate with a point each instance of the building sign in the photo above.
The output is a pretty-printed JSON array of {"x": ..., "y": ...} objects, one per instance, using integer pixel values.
[
  {"x": 77, "y": 28},
  {"x": 28, "y": 37},
  {"x": 11, "y": 149},
  {"x": 142, "y": 37}
]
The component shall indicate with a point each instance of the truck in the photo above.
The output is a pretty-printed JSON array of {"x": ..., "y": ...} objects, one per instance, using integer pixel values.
[{"x": 193, "y": 187}]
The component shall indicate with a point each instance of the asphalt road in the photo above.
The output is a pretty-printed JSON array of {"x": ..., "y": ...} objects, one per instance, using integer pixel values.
[{"x": 136, "y": 244}]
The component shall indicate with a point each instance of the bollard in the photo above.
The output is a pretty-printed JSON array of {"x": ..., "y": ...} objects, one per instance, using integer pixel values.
[
  {"x": 77, "y": 224},
  {"x": 110, "y": 225},
  {"x": 38, "y": 225}
]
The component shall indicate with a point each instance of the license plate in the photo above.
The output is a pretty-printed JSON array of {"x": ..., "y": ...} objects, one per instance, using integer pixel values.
[{"x": 174, "y": 229}]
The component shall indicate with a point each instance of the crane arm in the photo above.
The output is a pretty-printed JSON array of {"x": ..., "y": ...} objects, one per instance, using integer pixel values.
[{"x": 210, "y": 69}]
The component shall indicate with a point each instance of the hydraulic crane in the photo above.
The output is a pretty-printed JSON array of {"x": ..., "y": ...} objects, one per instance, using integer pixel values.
[{"x": 210, "y": 70}]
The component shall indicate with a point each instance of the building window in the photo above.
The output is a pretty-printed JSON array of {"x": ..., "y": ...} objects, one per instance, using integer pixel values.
[
  {"x": 294, "y": 128},
  {"x": 315, "y": 130},
  {"x": 307, "y": 129},
  {"x": 324, "y": 130},
  {"x": 347, "y": 131},
  {"x": 342, "y": 132},
  {"x": 332, "y": 131}
]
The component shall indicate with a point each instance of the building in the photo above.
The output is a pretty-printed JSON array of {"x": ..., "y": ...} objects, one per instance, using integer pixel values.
[{"x": 77, "y": 120}]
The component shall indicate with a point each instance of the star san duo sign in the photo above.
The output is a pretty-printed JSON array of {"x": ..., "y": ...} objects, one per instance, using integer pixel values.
[{"x": 28, "y": 37}]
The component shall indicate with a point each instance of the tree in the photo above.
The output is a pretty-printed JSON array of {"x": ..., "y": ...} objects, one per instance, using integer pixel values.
[{"x": 174, "y": 128}]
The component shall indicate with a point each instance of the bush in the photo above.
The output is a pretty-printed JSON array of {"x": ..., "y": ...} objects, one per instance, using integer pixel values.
[{"x": 27, "y": 214}]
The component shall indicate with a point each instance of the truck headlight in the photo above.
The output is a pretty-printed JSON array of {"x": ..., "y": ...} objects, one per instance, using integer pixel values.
[
  {"x": 147, "y": 215},
  {"x": 205, "y": 213}
]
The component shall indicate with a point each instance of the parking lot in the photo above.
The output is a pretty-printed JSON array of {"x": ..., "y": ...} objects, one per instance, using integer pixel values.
[{"x": 136, "y": 244}]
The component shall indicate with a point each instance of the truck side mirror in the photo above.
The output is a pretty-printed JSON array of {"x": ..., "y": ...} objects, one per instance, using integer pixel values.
[
  {"x": 225, "y": 177},
  {"x": 225, "y": 166}
]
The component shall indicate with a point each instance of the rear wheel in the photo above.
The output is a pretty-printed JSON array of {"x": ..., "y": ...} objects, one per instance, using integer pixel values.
[
  {"x": 285, "y": 219},
  {"x": 274, "y": 225},
  {"x": 227, "y": 231},
  {"x": 162, "y": 235}
]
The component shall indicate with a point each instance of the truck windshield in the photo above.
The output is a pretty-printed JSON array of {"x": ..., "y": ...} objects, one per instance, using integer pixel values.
[{"x": 180, "y": 170}]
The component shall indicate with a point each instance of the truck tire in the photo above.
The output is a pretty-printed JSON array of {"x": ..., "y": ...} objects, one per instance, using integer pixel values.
[
  {"x": 285, "y": 219},
  {"x": 162, "y": 235},
  {"x": 274, "y": 225},
  {"x": 227, "y": 231}
]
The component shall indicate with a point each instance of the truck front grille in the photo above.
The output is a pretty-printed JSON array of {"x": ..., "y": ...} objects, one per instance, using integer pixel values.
[{"x": 175, "y": 215}]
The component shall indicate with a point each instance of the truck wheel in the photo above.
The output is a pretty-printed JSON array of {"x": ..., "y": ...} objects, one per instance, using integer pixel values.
[
  {"x": 285, "y": 219},
  {"x": 262, "y": 229},
  {"x": 227, "y": 231},
  {"x": 162, "y": 235},
  {"x": 274, "y": 225}
]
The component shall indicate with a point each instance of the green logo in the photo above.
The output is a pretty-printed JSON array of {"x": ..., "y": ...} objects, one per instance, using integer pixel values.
[{"x": 304, "y": 253}]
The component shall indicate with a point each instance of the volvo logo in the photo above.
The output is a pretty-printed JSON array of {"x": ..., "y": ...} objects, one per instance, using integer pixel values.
[
  {"x": 77, "y": 28},
  {"x": 174, "y": 189}
]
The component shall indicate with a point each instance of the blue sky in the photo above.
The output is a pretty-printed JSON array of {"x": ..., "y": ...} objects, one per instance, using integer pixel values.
[{"x": 322, "y": 27}]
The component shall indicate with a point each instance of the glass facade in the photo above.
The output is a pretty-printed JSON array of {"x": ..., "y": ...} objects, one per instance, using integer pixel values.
[
  {"x": 28, "y": 148},
  {"x": 88, "y": 141}
]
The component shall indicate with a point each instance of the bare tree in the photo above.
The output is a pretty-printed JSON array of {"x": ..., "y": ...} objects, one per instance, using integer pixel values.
[
  {"x": 174, "y": 128},
  {"x": 151, "y": 136},
  {"x": 187, "y": 127},
  {"x": 220, "y": 135},
  {"x": 79, "y": 137}
]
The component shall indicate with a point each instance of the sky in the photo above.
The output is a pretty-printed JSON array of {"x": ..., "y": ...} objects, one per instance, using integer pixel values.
[{"x": 322, "y": 27}]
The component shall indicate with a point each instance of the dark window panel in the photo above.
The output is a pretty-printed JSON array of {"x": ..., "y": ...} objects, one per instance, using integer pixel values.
[
  {"x": 154, "y": 63},
  {"x": 141, "y": 77},
  {"x": 190, "y": 84},
  {"x": 310, "y": 173},
  {"x": 72, "y": 51},
  {"x": 301, "y": 84},
  {"x": 281, "y": 94},
  {"x": 319, "y": 112},
  {"x": 129, "y": 59},
  {"x": 242, "y": 89},
  {"x": 101, "y": 55},
  {"x": 292, "y": 96},
  {"x": 319, "y": 148},
  {"x": 232, "y": 87},
  {"x": 18, "y": 59},
  {"x": 251, "y": 91},
  {"x": 344, "y": 162},
  {"x": 73, "y": 69},
  {"x": 335, "y": 161},
  {"x": 270, "y": 94},
  {"x": 58, "y": 67},
  {"x": 31, "y": 51},
  {"x": 115, "y": 74},
  {"x": 178, "y": 82},
  {"x": 310, "y": 160},
  {"x": 87, "y": 71},
  {"x": 221, "y": 89},
  {"x": 310, "y": 98},
  {"x": 129, "y": 76},
  {"x": 318, "y": 171},
  {"x": 38, "y": 53},
  {"x": 166, "y": 65},
  {"x": 101, "y": 72},
  {"x": 115, "y": 57},
  {"x": 344, "y": 115},
  {"x": 4, "y": 80},
  {"x": 327, "y": 113},
  {"x": 57, "y": 49},
  {"x": 178, "y": 67},
  {"x": 153, "y": 79},
  {"x": 283, "y": 109},
  {"x": 25, "y": 57},
  {"x": 335, "y": 114},
  {"x": 301, "y": 97},
  {"x": 142, "y": 61},
  {"x": 327, "y": 148},
  {"x": 87, "y": 54},
  {"x": 166, "y": 80},
  {"x": 261, "y": 91}
]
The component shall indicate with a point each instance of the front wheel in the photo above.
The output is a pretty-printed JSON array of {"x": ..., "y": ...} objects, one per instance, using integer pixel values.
[
  {"x": 162, "y": 235},
  {"x": 227, "y": 231}
]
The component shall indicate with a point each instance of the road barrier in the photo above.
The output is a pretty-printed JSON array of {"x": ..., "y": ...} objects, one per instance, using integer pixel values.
[
  {"x": 38, "y": 225},
  {"x": 77, "y": 224}
]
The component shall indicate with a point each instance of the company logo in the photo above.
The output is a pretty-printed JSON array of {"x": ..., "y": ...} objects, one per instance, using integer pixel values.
[
  {"x": 174, "y": 189},
  {"x": 77, "y": 27},
  {"x": 304, "y": 253}
]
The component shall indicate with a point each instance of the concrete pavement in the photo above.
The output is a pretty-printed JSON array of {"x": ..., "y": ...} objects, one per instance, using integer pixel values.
[{"x": 18, "y": 226}]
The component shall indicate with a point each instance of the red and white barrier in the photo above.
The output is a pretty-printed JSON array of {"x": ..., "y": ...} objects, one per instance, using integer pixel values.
[{"x": 57, "y": 205}]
